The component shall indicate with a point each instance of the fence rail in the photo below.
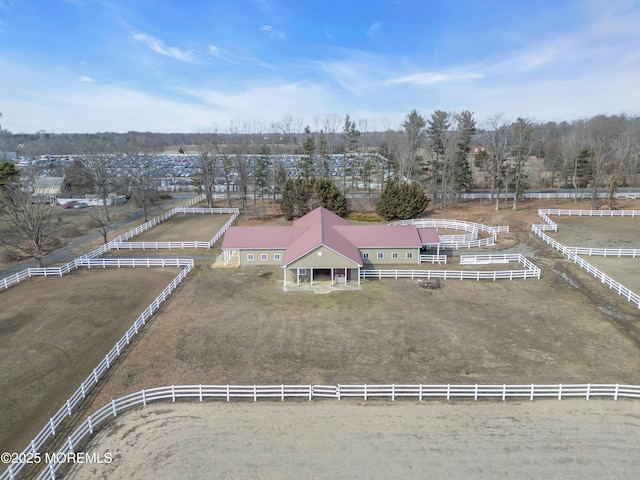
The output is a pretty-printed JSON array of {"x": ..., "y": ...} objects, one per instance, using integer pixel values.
[
  {"x": 393, "y": 392},
  {"x": 119, "y": 243},
  {"x": 532, "y": 271},
  {"x": 433, "y": 259},
  {"x": 571, "y": 252},
  {"x": 50, "y": 428}
]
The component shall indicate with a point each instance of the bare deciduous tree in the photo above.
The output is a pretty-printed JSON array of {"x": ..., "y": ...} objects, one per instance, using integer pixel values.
[{"x": 33, "y": 227}]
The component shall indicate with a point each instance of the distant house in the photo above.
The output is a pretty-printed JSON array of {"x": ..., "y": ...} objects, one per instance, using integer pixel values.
[
  {"x": 47, "y": 189},
  {"x": 323, "y": 245}
]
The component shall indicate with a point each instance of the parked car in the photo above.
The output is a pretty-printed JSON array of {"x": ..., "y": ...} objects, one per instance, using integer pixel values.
[
  {"x": 69, "y": 204},
  {"x": 81, "y": 205}
]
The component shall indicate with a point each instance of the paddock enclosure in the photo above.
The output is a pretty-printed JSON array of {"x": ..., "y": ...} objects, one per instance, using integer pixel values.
[
  {"x": 54, "y": 331},
  {"x": 237, "y": 326},
  {"x": 184, "y": 227}
]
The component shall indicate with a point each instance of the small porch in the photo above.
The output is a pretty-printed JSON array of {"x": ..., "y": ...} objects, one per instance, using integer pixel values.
[{"x": 315, "y": 278}]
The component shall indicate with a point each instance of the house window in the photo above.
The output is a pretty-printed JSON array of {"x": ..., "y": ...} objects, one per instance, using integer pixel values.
[
  {"x": 251, "y": 257},
  {"x": 409, "y": 254},
  {"x": 277, "y": 256},
  {"x": 380, "y": 255},
  {"x": 365, "y": 256},
  {"x": 264, "y": 256},
  {"x": 302, "y": 271},
  {"x": 394, "y": 255}
]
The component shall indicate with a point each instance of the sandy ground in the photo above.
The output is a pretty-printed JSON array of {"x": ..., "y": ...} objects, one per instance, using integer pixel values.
[{"x": 349, "y": 439}]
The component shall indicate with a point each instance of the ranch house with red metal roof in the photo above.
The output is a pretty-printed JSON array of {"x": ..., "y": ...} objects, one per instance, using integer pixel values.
[{"x": 322, "y": 245}]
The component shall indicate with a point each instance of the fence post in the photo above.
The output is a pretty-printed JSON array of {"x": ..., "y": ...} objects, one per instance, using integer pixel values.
[
  {"x": 114, "y": 409},
  {"x": 615, "y": 394},
  {"x": 560, "y": 392},
  {"x": 531, "y": 396}
]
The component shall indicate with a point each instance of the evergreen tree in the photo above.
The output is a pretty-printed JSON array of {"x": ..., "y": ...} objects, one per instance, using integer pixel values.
[
  {"x": 302, "y": 195},
  {"x": 8, "y": 173},
  {"x": 401, "y": 200},
  {"x": 467, "y": 126}
]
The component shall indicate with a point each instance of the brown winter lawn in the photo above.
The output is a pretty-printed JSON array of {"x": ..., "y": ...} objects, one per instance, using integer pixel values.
[{"x": 238, "y": 326}]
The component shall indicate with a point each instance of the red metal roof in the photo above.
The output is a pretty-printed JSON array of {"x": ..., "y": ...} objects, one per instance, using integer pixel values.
[
  {"x": 428, "y": 235},
  {"x": 323, "y": 227}
]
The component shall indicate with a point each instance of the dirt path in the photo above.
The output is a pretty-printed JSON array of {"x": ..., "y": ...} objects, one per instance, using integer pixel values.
[{"x": 343, "y": 439}]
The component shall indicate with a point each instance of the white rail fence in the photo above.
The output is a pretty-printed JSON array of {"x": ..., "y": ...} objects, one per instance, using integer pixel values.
[
  {"x": 253, "y": 393},
  {"x": 571, "y": 252},
  {"x": 440, "y": 259},
  {"x": 582, "y": 195},
  {"x": 455, "y": 242},
  {"x": 118, "y": 244},
  {"x": 578, "y": 195},
  {"x": 50, "y": 429},
  {"x": 532, "y": 271}
]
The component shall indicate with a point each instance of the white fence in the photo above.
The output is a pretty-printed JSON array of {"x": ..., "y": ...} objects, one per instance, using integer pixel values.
[
  {"x": 433, "y": 259},
  {"x": 78, "y": 396},
  {"x": 458, "y": 241},
  {"x": 578, "y": 195},
  {"x": 571, "y": 252},
  {"x": 120, "y": 242},
  {"x": 532, "y": 271},
  {"x": 392, "y": 392}
]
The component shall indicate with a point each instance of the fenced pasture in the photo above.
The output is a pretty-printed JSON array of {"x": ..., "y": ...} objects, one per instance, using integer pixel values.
[
  {"x": 54, "y": 331},
  {"x": 550, "y": 227},
  {"x": 598, "y": 232},
  {"x": 193, "y": 229},
  {"x": 625, "y": 269},
  {"x": 467, "y": 334}
]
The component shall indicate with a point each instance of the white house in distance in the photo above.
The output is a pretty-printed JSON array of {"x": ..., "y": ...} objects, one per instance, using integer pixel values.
[{"x": 322, "y": 245}]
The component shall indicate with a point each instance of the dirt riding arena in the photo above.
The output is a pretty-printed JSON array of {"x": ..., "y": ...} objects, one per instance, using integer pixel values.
[
  {"x": 54, "y": 331},
  {"x": 238, "y": 326},
  {"x": 345, "y": 439},
  {"x": 184, "y": 227}
]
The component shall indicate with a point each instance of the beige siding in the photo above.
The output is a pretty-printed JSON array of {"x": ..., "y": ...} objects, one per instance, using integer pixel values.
[
  {"x": 322, "y": 257},
  {"x": 388, "y": 256},
  {"x": 257, "y": 257}
]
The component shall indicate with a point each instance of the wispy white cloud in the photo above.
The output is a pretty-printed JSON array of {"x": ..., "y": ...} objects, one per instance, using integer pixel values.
[
  {"x": 158, "y": 46},
  {"x": 86, "y": 79},
  {"x": 219, "y": 53},
  {"x": 272, "y": 32},
  {"x": 431, "y": 78},
  {"x": 374, "y": 30},
  {"x": 226, "y": 56}
]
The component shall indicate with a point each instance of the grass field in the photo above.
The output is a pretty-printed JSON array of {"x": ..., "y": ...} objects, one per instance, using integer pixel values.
[
  {"x": 54, "y": 331},
  {"x": 238, "y": 326}
]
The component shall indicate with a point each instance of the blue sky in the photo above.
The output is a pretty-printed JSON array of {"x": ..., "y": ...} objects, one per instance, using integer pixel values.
[{"x": 198, "y": 66}]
